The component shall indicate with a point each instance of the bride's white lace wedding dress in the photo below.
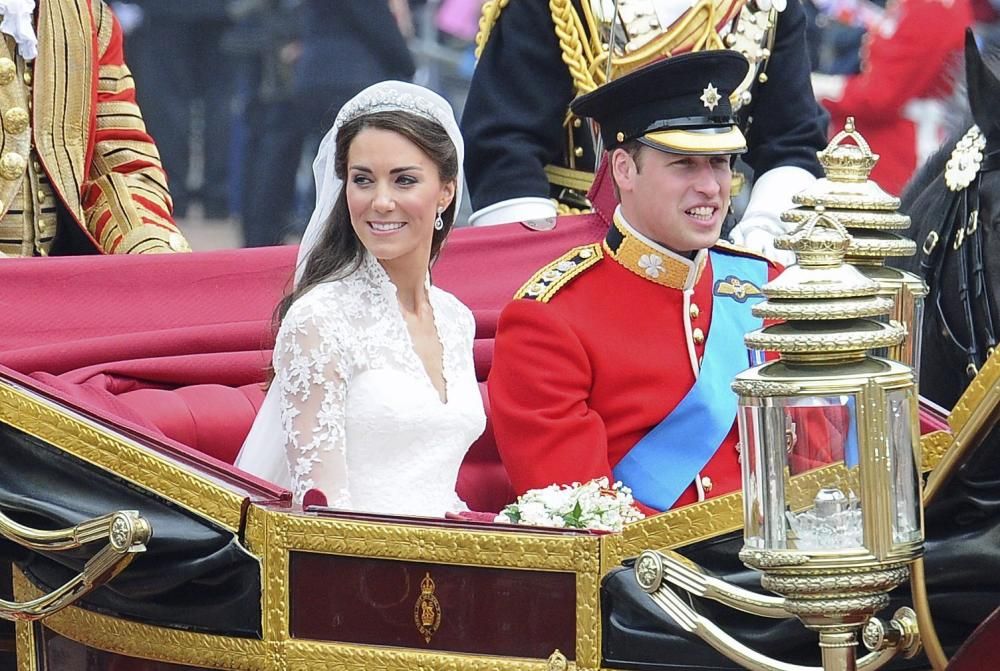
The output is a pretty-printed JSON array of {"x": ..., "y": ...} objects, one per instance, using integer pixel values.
[{"x": 361, "y": 418}]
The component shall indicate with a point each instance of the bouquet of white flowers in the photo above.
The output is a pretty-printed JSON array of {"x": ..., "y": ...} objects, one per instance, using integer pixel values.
[{"x": 592, "y": 505}]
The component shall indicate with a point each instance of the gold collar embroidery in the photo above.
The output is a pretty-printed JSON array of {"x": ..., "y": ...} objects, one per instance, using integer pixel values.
[{"x": 650, "y": 260}]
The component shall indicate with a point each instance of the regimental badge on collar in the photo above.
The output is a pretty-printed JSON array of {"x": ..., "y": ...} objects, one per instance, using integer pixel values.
[
  {"x": 710, "y": 96},
  {"x": 735, "y": 288}
]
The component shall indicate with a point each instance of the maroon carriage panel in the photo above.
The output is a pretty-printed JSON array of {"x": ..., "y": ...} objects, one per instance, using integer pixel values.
[{"x": 424, "y": 606}]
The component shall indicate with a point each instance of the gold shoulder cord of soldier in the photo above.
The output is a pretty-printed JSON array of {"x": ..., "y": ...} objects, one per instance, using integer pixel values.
[
  {"x": 544, "y": 284},
  {"x": 488, "y": 18},
  {"x": 577, "y": 53}
]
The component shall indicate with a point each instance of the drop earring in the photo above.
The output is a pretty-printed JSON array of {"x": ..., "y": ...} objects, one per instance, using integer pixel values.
[{"x": 439, "y": 222}]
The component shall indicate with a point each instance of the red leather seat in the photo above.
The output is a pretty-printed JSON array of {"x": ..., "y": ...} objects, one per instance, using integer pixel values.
[{"x": 211, "y": 418}]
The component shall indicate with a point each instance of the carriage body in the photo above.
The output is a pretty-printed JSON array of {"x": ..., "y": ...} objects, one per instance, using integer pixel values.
[{"x": 120, "y": 396}]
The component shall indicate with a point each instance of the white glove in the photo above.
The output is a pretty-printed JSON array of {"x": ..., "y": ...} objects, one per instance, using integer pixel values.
[
  {"x": 534, "y": 212},
  {"x": 828, "y": 87},
  {"x": 761, "y": 224},
  {"x": 130, "y": 15}
]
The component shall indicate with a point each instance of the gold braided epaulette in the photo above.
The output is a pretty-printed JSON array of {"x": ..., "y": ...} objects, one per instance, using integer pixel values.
[
  {"x": 487, "y": 19},
  {"x": 544, "y": 284}
]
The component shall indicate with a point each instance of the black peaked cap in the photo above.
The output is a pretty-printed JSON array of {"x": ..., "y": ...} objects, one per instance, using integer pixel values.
[{"x": 685, "y": 93}]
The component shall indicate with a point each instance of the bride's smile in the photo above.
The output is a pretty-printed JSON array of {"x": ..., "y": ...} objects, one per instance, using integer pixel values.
[{"x": 394, "y": 192}]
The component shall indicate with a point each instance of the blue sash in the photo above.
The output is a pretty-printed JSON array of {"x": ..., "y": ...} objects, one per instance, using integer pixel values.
[{"x": 668, "y": 458}]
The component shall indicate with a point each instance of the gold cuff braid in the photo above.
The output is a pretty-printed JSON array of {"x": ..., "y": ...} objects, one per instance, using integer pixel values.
[{"x": 151, "y": 239}]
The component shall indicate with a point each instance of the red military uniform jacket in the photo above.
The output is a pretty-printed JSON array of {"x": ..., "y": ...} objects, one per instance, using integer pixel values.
[
  {"x": 596, "y": 351},
  {"x": 908, "y": 69}
]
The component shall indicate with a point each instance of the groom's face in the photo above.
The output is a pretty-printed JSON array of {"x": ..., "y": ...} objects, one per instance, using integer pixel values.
[{"x": 394, "y": 192}]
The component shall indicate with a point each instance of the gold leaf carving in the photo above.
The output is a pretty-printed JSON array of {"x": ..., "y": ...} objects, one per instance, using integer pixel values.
[{"x": 118, "y": 455}]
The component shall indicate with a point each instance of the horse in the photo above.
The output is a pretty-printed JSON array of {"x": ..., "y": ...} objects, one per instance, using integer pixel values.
[{"x": 954, "y": 205}]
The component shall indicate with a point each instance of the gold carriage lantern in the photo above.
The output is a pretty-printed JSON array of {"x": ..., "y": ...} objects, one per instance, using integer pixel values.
[
  {"x": 846, "y": 422},
  {"x": 870, "y": 215}
]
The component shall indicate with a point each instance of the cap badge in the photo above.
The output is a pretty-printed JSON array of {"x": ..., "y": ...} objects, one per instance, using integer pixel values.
[{"x": 710, "y": 96}]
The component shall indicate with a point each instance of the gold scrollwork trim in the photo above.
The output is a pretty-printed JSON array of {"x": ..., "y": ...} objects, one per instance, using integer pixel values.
[
  {"x": 978, "y": 392},
  {"x": 27, "y": 657},
  {"x": 833, "y": 201},
  {"x": 848, "y": 308},
  {"x": 837, "y": 584},
  {"x": 975, "y": 412},
  {"x": 149, "y": 642},
  {"x": 310, "y": 656},
  {"x": 269, "y": 544},
  {"x": 754, "y": 387},
  {"x": 415, "y": 543},
  {"x": 822, "y": 607},
  {"x": 673, "y": 529},
  {"x": 932, "y": 448},
  {"x": 808, "y": 343},
  {"x": 879, "y": 221},
  {"x": 588, "y": 619},
  {"x": 845, "y": 289},
  {"x": 876, "y": 248},
  {"x": 112, "y": 453}
]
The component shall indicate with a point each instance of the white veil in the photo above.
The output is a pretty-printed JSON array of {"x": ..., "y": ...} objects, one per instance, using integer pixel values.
[{"x": 263, "y": 451}]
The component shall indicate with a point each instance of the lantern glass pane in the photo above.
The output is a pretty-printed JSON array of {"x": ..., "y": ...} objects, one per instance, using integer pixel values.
[
  {"x": 788, "y": 437},
  {"x": 903, "y": 466}
]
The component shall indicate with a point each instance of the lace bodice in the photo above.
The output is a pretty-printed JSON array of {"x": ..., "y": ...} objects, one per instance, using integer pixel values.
[{"x": 361, "y": 418}]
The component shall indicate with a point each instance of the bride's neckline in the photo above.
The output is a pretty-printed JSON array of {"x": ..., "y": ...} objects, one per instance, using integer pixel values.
[{"x": 375, "y": 270}]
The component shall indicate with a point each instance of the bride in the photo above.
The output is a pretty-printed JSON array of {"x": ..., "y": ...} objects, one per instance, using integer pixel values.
[{"x": 374, "y": 399}]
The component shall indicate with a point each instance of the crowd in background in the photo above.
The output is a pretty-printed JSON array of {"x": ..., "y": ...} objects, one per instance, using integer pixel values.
[{"x": 237, "y": 93}]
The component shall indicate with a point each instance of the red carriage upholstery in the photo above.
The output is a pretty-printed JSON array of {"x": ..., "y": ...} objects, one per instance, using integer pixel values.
[{"x": 177, "y": 345}]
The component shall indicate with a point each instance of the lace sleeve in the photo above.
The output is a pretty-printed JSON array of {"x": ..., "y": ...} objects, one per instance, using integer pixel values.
[{"x": 311, "y": 374}]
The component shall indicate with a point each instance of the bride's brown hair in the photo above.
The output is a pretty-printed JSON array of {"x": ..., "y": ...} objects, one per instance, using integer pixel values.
[{"x": 339, "y": 251}]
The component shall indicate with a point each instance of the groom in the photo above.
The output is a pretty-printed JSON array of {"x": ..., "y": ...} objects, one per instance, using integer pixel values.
[{"x": 616, "y": 358}]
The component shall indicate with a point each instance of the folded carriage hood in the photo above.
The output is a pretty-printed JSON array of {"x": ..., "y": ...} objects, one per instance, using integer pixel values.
[{"x": 194, "y": 573}]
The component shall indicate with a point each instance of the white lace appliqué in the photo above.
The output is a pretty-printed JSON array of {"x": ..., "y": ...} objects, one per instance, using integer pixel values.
[{"x": 361, "y": 419}]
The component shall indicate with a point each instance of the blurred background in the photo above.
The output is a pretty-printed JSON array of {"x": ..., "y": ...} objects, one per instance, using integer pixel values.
[{"x": 238, "y": 93}]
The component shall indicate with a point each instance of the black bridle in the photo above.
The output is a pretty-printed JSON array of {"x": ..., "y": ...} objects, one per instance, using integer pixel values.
[{"x": 959, "y": 232}]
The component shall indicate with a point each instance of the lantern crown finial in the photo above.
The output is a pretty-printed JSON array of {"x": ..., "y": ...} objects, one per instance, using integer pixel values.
[
  {"x": 847, "y": 191},
  {"x": 845, "y": 162},
  {"x": 824, "y": 303}
]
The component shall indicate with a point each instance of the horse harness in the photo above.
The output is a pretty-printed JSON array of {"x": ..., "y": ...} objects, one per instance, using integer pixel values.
[{"x": 958, "y": 232}]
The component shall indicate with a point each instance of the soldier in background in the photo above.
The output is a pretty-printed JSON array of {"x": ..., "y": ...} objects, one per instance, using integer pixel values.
[
  {"x": 176, "y": 54},
  {"x": 900, "y": 97},
  {"x": 340, "y": 48},
  {"x": 538, "y": 55},
  {"x": 78, "y": 172}
]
